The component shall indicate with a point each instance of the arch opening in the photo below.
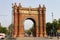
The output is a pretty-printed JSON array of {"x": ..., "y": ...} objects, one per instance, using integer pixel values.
[{"x": 30, "y": 27}]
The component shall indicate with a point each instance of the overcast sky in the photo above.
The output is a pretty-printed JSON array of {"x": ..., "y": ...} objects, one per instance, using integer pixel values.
[{"x": 6, "y": 9}]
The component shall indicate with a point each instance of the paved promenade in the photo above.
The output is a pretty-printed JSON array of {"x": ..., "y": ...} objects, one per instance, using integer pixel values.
[
  {"x": 34, "y": 38},
  {"x": 38, "y": 38}
]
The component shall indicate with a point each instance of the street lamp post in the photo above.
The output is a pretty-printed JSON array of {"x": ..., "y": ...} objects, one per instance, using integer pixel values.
[{"x": 53, "y": 24}]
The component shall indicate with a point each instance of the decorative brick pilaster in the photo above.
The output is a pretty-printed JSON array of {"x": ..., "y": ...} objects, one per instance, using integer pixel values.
[
  {"x": 44, "y": 20},
  {"x": 21, "y": 26},
  {"x": 40, "y": 18},
  {"x": 37, "y": 31},
  {"x": 15, "y": 21}
]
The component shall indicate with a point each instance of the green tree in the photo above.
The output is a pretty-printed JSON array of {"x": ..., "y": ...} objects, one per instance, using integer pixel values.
[
  {"x": 52, "y": 27},
  {"x": 3, "y": 30},
  {"x": 55, "y": 24},
  {"x": 28, "y": 32},
  {"x": 10, "y": 29},
  {"x": 31, "y": 31},
  {"x": 58, "y": 24},
  {"x": 49, "y": 28}
]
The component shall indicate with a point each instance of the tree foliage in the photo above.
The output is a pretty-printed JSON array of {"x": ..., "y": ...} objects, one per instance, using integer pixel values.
[
  {"x": 10, "y": 29},
  {"x": 54, "y": 26},
  {"x": 28, "y": 32},
  {"x": 3, "y": 30}
]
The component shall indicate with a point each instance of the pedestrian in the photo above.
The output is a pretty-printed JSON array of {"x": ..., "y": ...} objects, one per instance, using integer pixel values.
[{"x": 57, "y": 36}]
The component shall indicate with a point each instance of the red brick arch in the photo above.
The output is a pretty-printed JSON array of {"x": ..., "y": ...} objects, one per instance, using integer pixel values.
[{"x": 38, "y": 15}]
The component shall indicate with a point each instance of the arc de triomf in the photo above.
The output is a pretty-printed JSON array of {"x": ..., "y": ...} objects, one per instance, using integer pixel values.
[{"x": 37, "y": 15}]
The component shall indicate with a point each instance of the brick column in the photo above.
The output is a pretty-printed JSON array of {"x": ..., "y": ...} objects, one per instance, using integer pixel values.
[
  {"x": 21, "y": 31},
  {"x": 37, "y": 33},
  {"x": 41, "y": 28},
  {"x": 15, "y": 21},
  {"x": 44, "y": 20},
  {"x": 40, "y": 18},
  {"x": 21, "y": 26}
]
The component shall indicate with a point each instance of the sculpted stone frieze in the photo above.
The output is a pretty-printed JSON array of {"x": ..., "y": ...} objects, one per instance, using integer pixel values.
[{"x": 26, "y": 12}]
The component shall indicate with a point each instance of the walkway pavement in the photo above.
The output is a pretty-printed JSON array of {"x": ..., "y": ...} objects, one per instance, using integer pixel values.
[{"x": 34, "y": 38}]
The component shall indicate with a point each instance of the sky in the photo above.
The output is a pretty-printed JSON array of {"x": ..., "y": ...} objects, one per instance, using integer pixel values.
[
  {"x": 28, "y": 24},
  {"x": 6, "y": 9}
]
